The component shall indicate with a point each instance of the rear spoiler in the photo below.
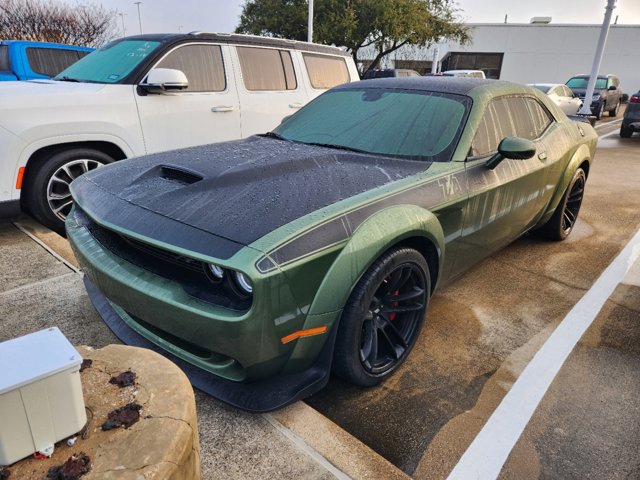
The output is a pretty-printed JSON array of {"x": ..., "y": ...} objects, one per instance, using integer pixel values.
[{"x": 590, "y": 119}]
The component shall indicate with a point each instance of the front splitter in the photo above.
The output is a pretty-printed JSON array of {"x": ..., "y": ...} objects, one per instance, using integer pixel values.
[{"x": 260, "y": 396}]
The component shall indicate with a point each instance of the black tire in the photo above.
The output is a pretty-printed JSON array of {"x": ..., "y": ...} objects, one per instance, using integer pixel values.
[
  {"x": 626, "y": 131},
  {"x": 599, "y": 111},
  {"x": 369, "y": 321},
  {"x": 47, "y": 198},
  {"x": 561, "y": 224},
  {"x": 614, "y": 111}
]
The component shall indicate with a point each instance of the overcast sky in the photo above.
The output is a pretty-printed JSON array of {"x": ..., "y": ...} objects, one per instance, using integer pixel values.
[{"x": 223, "y": 15}]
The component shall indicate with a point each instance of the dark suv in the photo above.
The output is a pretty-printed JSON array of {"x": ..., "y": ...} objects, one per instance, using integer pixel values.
[
  {"x": 607, "y": 95},
  {"x": 631, "y": 120}
]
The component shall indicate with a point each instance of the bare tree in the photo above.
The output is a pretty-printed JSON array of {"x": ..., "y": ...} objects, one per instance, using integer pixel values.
[{"x": 56, "y": 21}]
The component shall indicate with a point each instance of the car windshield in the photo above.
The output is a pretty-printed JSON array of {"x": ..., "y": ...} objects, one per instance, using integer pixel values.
[
  {"x": 109, "y": 64},
  {"x": 542, "y": 88},
  {"x": 581, "y": 82},
  {"x": 410, "y": 124}
]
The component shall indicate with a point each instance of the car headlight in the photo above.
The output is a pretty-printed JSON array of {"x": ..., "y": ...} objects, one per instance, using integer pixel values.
[
  {"x": 243, "y": 283},
  {"x": 216, "y": 270}
]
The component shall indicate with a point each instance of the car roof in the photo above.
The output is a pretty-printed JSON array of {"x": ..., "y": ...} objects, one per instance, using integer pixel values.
[
  {"x": 45, "y": 44},
  {"x": 251, "y": 40},
  {"x": 457, "y": 85},
  {"x": 546, "y": 85}
]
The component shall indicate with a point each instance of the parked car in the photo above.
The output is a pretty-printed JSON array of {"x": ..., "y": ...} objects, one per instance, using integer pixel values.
[
  {"x": 607, "y": 95},
  {"x": 390, "y": 72},
  {"x": 147, "y": 94},
  {"x": 561, "y": 95},
  {"x": 464, "y": 73},
  {"x": 631, "y": 119},
  {"x": 260, "y": 264},
  {"x": 23, "y": 60}
]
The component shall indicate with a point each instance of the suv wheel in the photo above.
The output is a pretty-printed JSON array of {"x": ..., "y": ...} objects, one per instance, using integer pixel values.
[
  {"x": 599, "y": 111},
  {"x": 626, "y": 131},
  {"x": 614, "y": 111},
  {"x": 47, "y": 193}
]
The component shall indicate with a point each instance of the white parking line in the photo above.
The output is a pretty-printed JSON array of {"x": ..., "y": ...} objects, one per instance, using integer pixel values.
[
  {"x": 489, "y": 450},
  {"x": 615, "y": 132},
  {"x": 600, "y": 125}
]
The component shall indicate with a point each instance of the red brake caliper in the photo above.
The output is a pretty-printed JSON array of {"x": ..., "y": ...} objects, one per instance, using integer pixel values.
[{"x": 392, "y": 316}]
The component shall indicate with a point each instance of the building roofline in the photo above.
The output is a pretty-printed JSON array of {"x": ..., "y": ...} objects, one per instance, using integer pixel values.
[{"x": 547, "y": 25}]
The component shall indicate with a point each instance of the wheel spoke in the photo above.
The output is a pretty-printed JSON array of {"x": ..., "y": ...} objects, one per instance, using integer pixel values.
[
  {"x": 62, "y": 207},
  {"x": 404, "y": 308},
  {"x": 389, "y": 325},
  {"x": 397, "y": 349},
  {"x": 59, "y": 196}
]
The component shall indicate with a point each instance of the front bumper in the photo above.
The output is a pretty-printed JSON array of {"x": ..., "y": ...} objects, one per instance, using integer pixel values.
[
  {"x": 261, "y": 396},
  {"x": 237, "y": 356}
]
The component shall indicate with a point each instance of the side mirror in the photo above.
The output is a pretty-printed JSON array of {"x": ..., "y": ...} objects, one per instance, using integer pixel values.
[
  {"x": 612, "y": 87},
  {"x": 515, "y": 148},
  {"x": 162, "y": 80}
]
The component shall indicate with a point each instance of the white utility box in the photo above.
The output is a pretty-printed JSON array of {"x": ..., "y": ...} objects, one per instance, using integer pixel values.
[{"x": 41, "y": 398}]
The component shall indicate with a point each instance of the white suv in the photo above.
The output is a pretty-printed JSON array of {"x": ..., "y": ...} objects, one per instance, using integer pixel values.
[{"x": 146, "y": 94}]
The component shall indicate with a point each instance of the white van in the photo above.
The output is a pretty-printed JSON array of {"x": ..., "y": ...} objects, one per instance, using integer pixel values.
[{"x": 146, "y": 94}]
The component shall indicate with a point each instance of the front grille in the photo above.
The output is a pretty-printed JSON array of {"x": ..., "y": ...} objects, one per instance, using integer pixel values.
[{"x": 188, "y": 272}]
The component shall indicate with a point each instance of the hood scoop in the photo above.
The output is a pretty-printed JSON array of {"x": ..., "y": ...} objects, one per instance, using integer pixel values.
[{"x": 179, "y": 175}]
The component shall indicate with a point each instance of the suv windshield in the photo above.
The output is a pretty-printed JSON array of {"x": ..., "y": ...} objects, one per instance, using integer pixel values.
[
  {"x": 109, "y": 64},
  {"x": 408, "y": 124},
  {"x": 581, "y": 82}
]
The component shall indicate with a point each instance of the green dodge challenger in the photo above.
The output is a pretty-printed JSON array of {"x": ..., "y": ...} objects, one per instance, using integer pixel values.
[{"x": 261, "y": 265}]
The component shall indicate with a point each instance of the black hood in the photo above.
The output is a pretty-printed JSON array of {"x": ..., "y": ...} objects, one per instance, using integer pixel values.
[{"x": 238, "y": 190}]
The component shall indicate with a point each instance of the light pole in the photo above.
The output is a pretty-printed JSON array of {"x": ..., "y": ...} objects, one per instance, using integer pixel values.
[
  {"x": 310, "y": 30},
  {"x": 139, "y": 17},
  {"x": 124, "y": 30},
  {"x": 604, "y": 32}
]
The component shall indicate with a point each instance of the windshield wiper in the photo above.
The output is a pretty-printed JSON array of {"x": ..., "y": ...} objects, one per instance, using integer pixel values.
[
  {"x": 274, "y": 135},
  {"x": 67, "y": 79},
  {"x": 336, "y": 147}
]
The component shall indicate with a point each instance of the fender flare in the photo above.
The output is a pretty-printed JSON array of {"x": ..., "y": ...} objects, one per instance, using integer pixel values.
[
  {"x": 376, "y": 235},
  {"x": 581, "y": 155}
]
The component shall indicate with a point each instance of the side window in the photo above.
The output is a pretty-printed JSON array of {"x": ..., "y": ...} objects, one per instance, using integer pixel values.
[
  {"x": 325, "y": 71},
  {"x": 51, "y": 61},
  {"x": 266, "y": 69},
  {"x": 509, "y": 117},
  {"x": 4, "y": 58},
  {"x": 566, "y": 91},
  {"x": 540, "y": 116},
  {"x": 202, "y": 64}
]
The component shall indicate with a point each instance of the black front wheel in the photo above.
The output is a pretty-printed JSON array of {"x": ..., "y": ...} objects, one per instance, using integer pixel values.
[
  {"x": 561, "y": 224},
  {"x": 383, "y": 317}
]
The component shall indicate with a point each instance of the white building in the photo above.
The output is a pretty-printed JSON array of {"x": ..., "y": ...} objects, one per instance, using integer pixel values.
[{"x": 535, "y": 52}]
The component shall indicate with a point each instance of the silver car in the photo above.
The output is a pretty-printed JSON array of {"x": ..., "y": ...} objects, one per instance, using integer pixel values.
[{"x": 561, "y": 95}]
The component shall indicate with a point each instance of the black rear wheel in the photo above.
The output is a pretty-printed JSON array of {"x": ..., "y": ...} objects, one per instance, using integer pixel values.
[
  {"x": 383, "y": 317},
  {"x": 565, "y": 217},
  {"x": 626, "y": 131}
]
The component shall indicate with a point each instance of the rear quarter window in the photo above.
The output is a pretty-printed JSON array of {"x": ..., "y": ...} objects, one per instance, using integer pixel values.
[
  {"x": 51, "y": 61},
  {"x": 266, "y": 69},
  {"x": 326, "y": 71},
  {"x": 4, "y": 58}
]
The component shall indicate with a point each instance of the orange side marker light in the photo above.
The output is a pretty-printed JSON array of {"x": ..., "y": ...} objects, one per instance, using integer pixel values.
[
  {"x": 304, "y": 333},
  {"x": 19, "y": 179}
]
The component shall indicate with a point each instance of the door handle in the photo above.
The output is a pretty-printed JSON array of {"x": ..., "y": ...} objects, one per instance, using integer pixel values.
[
  {"x": 542, "y": 156},
  {"x": 295, "y": 105},
  {"x": 222, "y": 108}
]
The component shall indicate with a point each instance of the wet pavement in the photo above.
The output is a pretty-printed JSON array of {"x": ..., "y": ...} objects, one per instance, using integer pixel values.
[{"x": 482, "y": 330}]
